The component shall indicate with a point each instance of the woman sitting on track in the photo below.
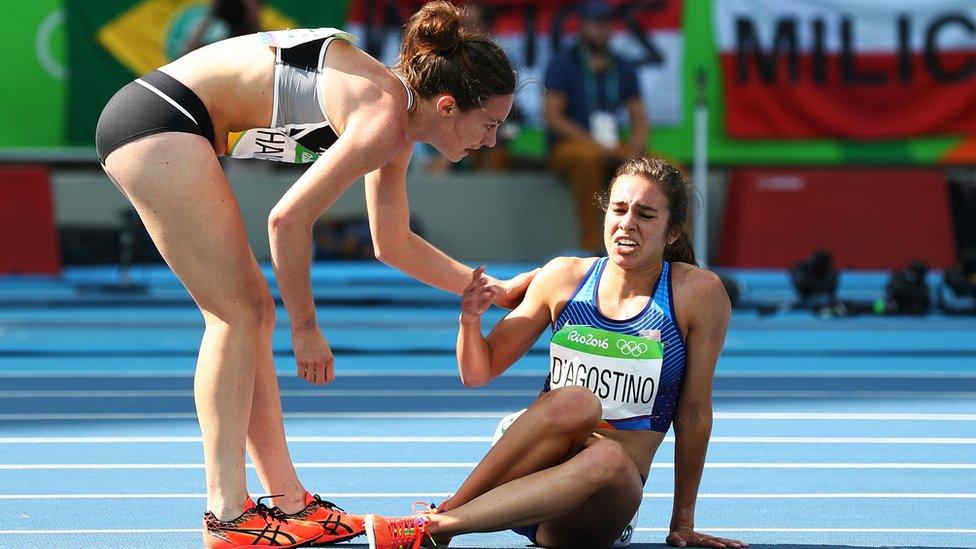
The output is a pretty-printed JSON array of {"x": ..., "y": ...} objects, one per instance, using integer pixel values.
[
  {"x": 303, "y": 95},
  {"x": 570, "y": 471}
]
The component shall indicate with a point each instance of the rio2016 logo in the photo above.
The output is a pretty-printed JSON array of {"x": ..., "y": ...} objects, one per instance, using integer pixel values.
[
  {"x": 588, "y": 339},
  {"x": 632, "y": 348}
]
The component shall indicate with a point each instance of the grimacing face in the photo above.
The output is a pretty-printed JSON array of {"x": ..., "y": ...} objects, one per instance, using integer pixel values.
[
  {"x": 635, "y": 229},
  {"x": 460, "y": 132}
]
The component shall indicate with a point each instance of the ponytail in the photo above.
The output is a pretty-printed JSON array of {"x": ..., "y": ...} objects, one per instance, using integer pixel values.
[
  {"x": 438, "y": 56},
  {"x": 682, "y": 250},
  {"x": 436, "y": 29}
]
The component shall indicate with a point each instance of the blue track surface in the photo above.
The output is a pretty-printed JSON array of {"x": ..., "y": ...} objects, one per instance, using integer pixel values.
[{"x": 849, "y": 432}]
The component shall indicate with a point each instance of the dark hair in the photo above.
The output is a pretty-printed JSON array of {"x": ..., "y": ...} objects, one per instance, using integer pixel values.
[
  {"x": 438, "y": 56},
  {"x": 675, "y": 186}
]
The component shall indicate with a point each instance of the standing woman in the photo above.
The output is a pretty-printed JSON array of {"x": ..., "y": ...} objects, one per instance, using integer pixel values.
[
  {"x": 570, "y": 470},
  {"x": 304, "y": 95}
]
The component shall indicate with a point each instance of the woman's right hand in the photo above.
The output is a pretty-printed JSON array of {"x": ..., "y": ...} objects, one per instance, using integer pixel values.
[
  {"x": 313, "y": 355},
  {"x": 478, "y": 296}
]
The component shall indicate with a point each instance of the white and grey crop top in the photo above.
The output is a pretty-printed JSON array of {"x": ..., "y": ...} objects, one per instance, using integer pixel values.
[{"x": 300, "y": 128}]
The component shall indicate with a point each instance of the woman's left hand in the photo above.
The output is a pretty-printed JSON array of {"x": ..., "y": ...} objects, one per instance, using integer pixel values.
[
  {"x": 511, "y": 291},
  {"x": 686, "y": 537}
]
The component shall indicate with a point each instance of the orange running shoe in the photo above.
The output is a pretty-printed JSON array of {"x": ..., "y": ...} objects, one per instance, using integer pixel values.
[
  {"x": 338, "y": 524},
  {"x": 396, "y": 533},
  {"x": 258, "y": 526},
  {"x": 425, "y": 508}
]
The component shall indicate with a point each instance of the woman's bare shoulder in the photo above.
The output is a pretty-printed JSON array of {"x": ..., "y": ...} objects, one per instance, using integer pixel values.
[
  {"x": 362, "y": 90},
  {"x": 697, "y": 288},
  {"x": 558, "y": 278}
]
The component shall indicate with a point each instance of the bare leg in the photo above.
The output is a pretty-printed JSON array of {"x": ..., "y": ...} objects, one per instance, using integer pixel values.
[
  {"x": 584, "y": 502},
  {"x": 554, "y": 427},
  {"x": 266, "y": 437},
  {"x": 602, "y": 517},
  {"x": 176, "y": 184}
]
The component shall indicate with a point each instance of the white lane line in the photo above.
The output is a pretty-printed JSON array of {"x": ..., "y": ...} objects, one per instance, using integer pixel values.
[
  {"x": 197, "y": 439},
  {"x": 288, "y": 415},
  {"x": 351, "y": 465},
  {"x": 758, "y": 416},
  {"x": 846, "y": 416},
  {"x": 293, "y": 393},
  {"x": 639, "y": 529},
  {"x": 471, "y": 465},
  {"x": 468, "y": 393},
  {"x": 106, "y": 531},
  {"x": 483, "y": 439},
  {"x": 290, "y": 373},
  {"x": 830, "y": 495},
  {"x": 827, "y": 530},
  {"x": 793, "y": 374},
  {"x": 843, "y": 394},
  {"x": 953, "y": 466},
  {"x": 538, "y": 374},
  {"x": 842, "y": 440},
  {"x": 391, "y": 495}
]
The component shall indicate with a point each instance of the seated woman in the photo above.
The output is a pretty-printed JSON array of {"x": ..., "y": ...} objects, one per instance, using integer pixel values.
[{"x": 636, "y": 336}]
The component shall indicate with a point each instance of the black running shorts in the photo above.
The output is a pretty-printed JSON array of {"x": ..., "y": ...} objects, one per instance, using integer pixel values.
[{"x": 155, "y": 103}]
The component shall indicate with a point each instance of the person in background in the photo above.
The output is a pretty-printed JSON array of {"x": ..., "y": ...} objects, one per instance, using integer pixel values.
[
  {"x": 226, "y": 19},
  {"x": 587, "y": 86}
]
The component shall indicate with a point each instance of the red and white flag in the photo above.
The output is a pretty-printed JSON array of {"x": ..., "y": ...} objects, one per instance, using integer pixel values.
[{"x": 871, "y": 69}]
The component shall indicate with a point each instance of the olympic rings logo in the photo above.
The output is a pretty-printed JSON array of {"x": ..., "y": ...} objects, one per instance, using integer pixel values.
[{"x": 632, "y": 348}]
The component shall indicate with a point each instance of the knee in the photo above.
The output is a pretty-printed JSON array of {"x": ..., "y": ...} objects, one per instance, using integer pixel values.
[
  {"x": 604, "y": 462},
  {"x": 568, "y": 158},
  {"x": 253, "y": 310},
  {"x": 572, "y": 410},
  {"x": 589, "y": 156}
]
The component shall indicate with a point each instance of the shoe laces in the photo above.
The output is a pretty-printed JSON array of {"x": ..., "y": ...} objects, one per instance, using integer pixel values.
[
  {"x": 327, "y": 504},
  {"x": 272, "y": 514},
  {"x": 406, "y": 529},
  {"x": 423, "y": 507}
]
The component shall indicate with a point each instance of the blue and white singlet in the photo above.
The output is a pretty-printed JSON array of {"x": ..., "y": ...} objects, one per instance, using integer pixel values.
[{"x": 582, "y": 309}]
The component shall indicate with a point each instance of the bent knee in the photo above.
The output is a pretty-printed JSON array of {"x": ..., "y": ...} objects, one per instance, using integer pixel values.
[
  {"x": 572, "y": 409},
  {"x": 605, "y": 462}
]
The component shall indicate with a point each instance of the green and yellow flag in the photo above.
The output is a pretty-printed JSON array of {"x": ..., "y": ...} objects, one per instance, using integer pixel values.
[{"x": 113, "y": 41}]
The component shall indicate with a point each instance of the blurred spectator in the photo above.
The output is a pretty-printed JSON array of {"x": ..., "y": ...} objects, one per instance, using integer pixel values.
[
  {"x": 347, "y": 238},
  {"x": 586, "y": 87},
  {"x": 227, "y": 18},
  {"x": 342, "y": 239},
  {"x": 477, "y": 17}
]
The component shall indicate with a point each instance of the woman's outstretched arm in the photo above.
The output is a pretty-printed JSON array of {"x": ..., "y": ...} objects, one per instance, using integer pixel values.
[{"x": 395, "y": 244}]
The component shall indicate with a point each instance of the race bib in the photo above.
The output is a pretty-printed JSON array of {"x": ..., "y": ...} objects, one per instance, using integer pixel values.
[
  {"x": 296, "y": 143},
  {"x": 623, "y": 371},
  {"x": 603, "y": 128}
]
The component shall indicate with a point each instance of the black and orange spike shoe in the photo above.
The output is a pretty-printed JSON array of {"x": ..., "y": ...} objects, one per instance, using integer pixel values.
[
  {"x": 259, "y": 526},
  {"x": 338, "y": 524}
]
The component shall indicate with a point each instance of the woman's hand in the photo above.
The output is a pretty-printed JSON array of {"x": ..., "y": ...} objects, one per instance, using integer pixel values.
[
  {"x": 478, "y": 296},
  {"x": 510, "y": 292},
  {"x": 313, "y": 355},
  {"x": 687, "y": 537}
]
